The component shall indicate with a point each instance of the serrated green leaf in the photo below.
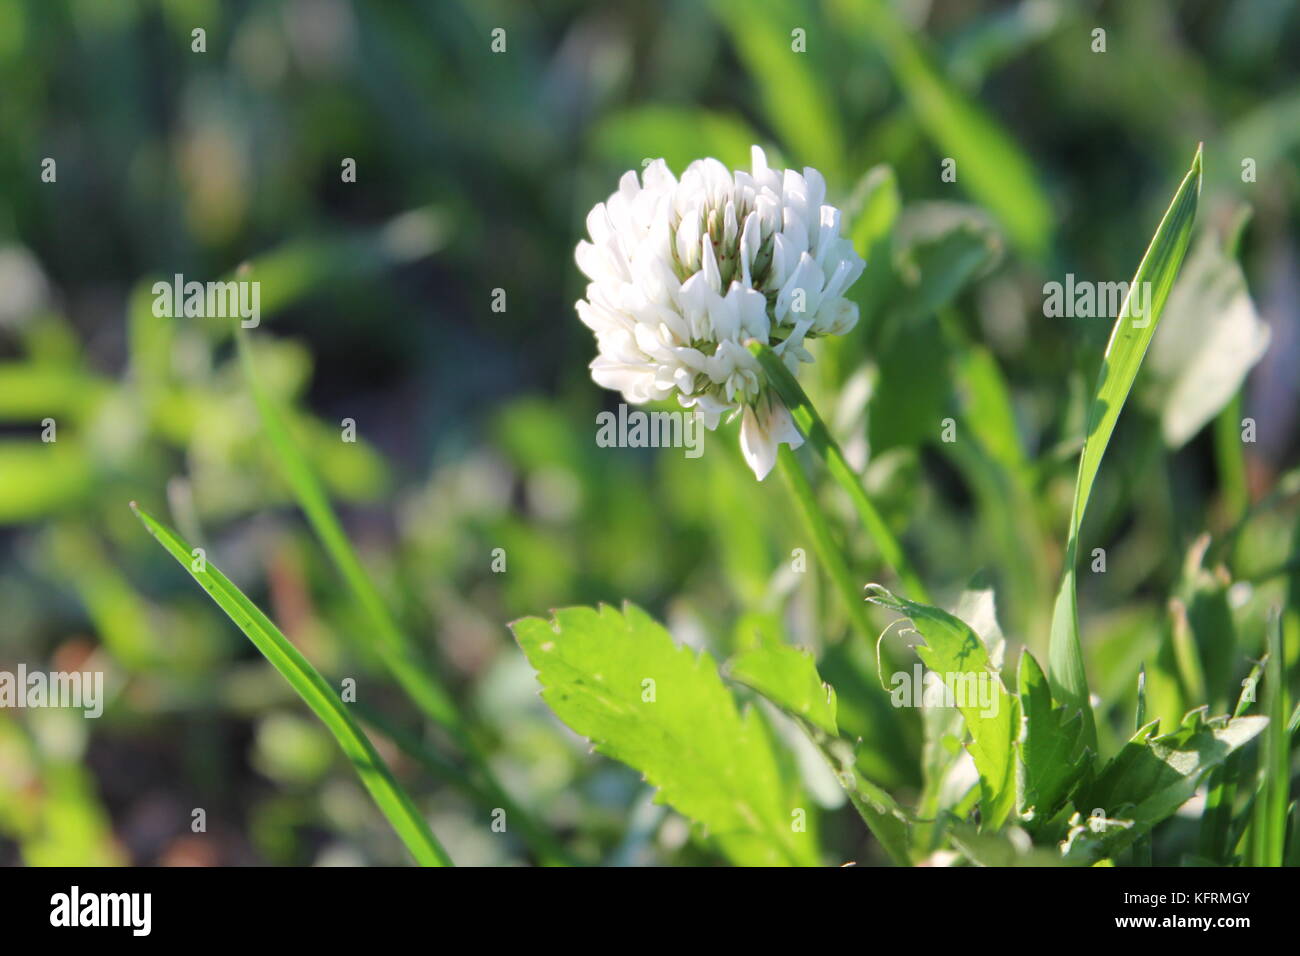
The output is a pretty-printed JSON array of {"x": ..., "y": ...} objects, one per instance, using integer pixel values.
[
  {"x": 955, "y": 652},
  {"x": 620, "y": 680},
  {"x": 1049, "y": 746},
  {"x": 788, "y": 677},
  {"x": 1151, "y": 777}
]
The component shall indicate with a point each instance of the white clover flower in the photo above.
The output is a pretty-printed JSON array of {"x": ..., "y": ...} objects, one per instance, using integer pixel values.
[{"x": 685, "y": 272}]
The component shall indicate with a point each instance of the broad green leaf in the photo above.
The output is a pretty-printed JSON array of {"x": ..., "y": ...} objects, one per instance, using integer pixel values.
[
  {"x": 619, "y": 679},
  {"x": 788, "y": 678},
  {"x": 950, "y": 774},
  {"x": 913, "y": 390},
  {"x": 1128, "y": 344},
  {"x": 990, "y": 165},
  {"x": 324, "y": 701},
  {"x": 955, "y": 652},
  {"x": 1049, "y": 745},
  {"x": 1151, "y": 777},
  {"x": 1209, "y": 339}
]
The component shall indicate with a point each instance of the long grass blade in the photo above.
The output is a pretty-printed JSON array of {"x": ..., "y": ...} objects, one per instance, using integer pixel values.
[
  {"x": 394, "y": 647},
  {"x": 388, "y": 795},
  {"x": 1134, "y": 327},
  {"x": 1268, "y": 824}
]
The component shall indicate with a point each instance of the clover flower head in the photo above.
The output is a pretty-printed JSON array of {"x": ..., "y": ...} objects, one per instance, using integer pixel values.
[{"x": 684, "y": 272}]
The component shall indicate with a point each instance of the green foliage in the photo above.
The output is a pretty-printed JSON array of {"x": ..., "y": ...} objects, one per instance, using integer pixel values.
[
  {"x": 1152, "y": 776},
  {"x": 379, "y": 557},
  {"x": 1129, "y": 339},
  {"x": 315, "y": 692},
  {"x": 989, "y": 163},
  {"x": 1050, "y": 747},
  {"x": 956, "y": 653},
  {"x": 788, "y": 678},
  {"x": 618, "y": 679}
]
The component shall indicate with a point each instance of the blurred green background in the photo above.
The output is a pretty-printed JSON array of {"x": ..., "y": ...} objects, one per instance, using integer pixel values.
[{"x": 475, "y": 170}]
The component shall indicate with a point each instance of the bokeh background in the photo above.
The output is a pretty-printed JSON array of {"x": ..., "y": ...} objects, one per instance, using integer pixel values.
[{"x": 475, "y": 170}]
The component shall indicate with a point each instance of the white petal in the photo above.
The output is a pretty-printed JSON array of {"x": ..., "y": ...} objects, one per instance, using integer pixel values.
[{"x": 763, "y": 429}]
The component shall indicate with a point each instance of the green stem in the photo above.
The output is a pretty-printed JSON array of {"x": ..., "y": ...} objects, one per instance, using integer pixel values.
[
  {"x": 823, "y": 544},
  {"x": 1229, "y": 453},
  {"x": 815, "y": 432}
]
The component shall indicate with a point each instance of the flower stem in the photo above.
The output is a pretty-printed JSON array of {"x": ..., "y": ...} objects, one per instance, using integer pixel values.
[
  {"x": 814, "y": 430},
  {"x": 828, "y": 553}
]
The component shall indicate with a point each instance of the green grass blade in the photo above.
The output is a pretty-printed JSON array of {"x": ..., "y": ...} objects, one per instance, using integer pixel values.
[
  {"x": 1128, "y": 344},
  {"x": 388, "y": 795},
  {"x": 1221, "y": 796},
  {"x": 814, "y": 430},
  {"x": 991, "y": 166},
  {"x": 798, "y": 101},
  {"x": 392, "y": 644},
  {"x": 1268, "y": 825},
  {"x": 395, "y": 648}
]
